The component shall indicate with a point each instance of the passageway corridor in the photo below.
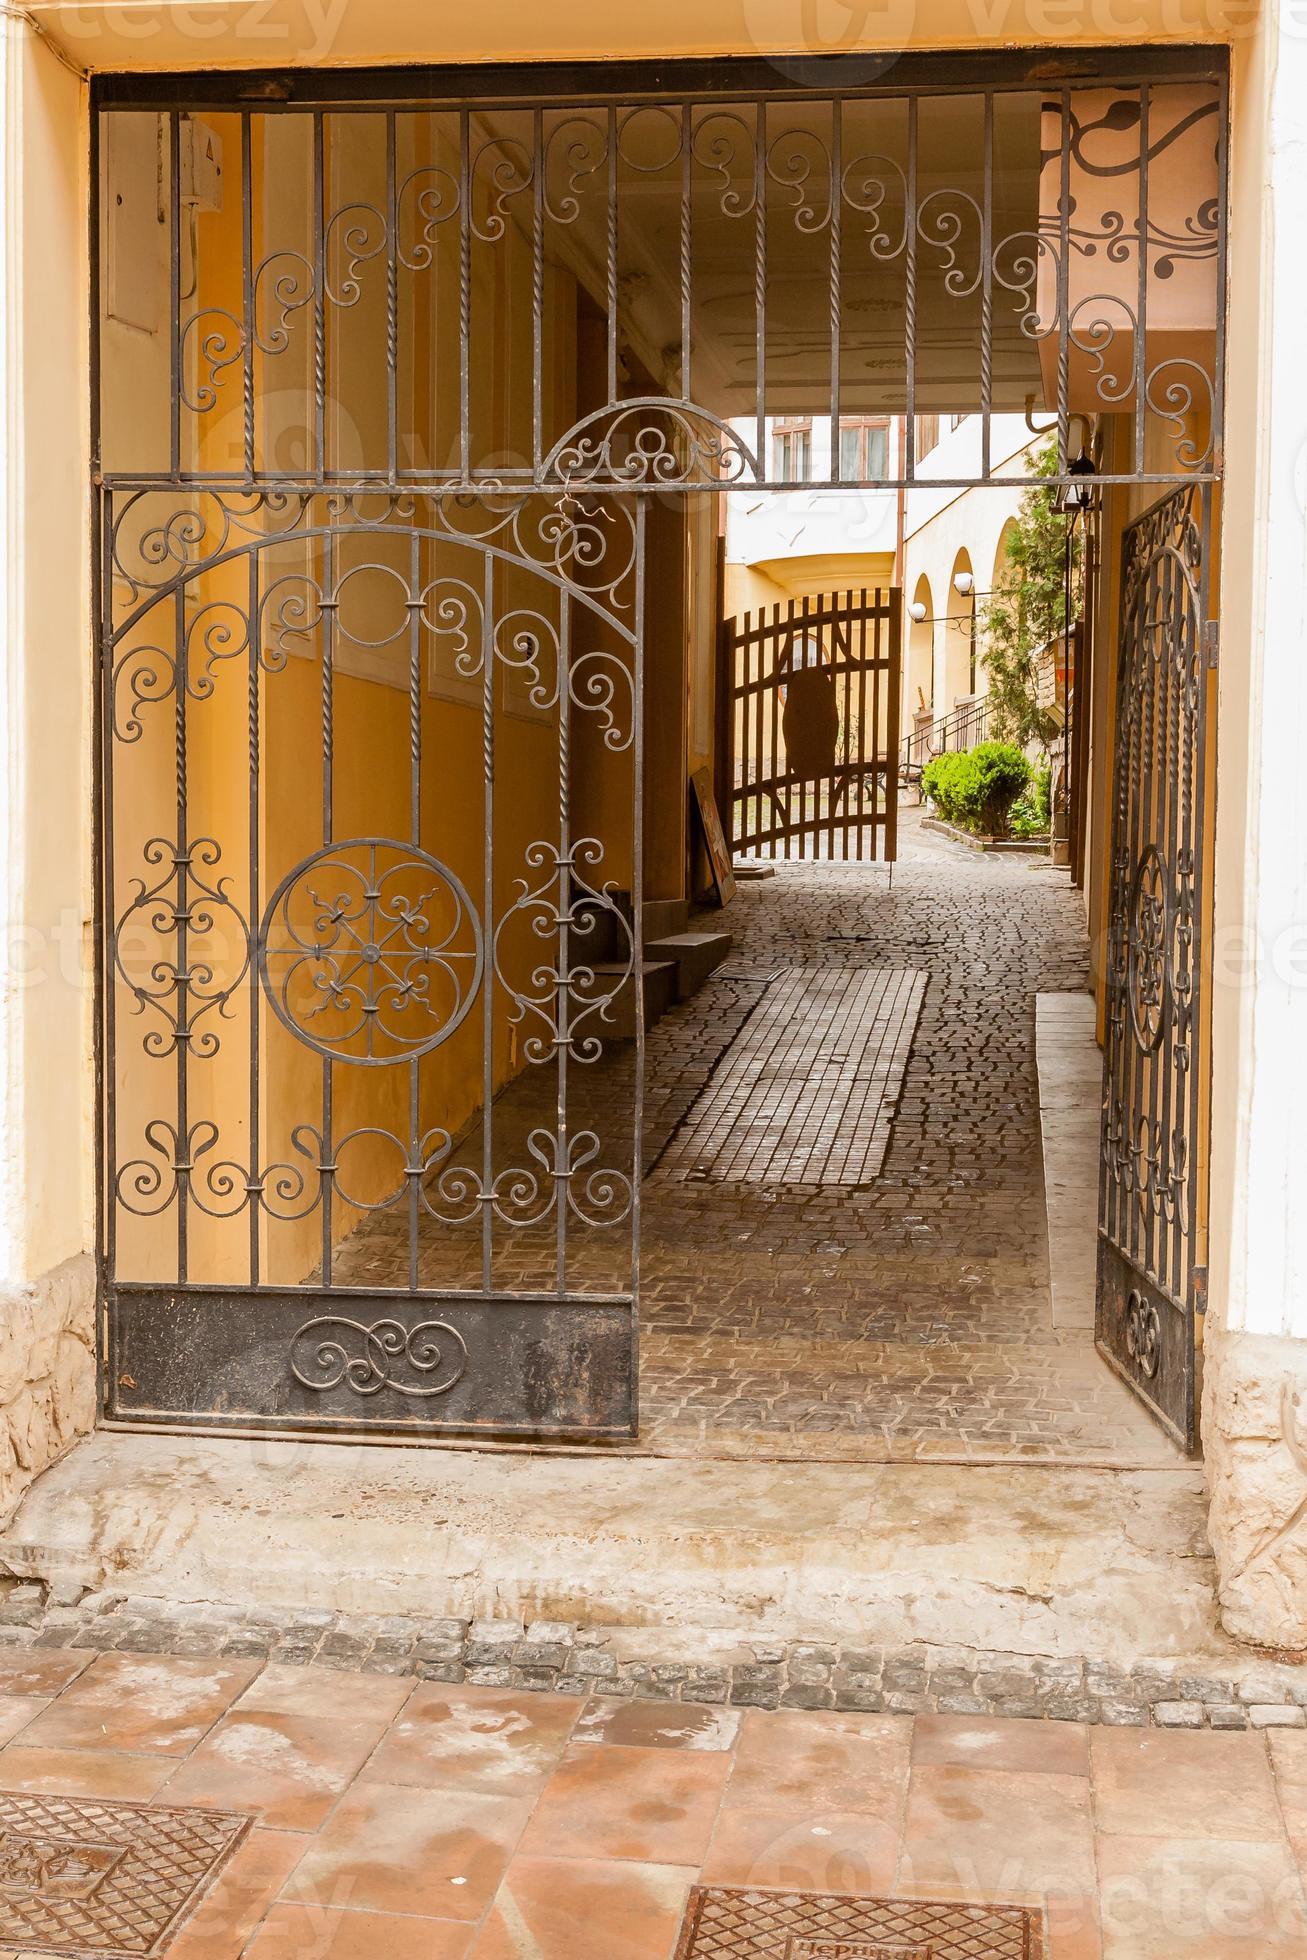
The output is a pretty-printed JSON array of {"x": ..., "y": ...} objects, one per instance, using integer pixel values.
[
  {"x": 909, "y": 1317},
  {"x": 841, "y": 1259}
]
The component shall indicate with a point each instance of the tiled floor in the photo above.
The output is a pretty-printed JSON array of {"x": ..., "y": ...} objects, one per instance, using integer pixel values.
[{"x": 402, "y": 1821}]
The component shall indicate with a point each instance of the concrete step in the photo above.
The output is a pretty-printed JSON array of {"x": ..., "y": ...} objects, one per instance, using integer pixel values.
[
  {"x": 664, "y": 917},
  {"x": 694, "y": 954},
  {"x": 659, "y": 978},
  {"x": 1031, "y": 1559}
]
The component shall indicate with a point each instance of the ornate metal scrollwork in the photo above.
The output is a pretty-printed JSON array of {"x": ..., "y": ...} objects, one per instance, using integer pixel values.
[
  {"x": 1148, "y": 941},
  {"x": 1143, "y": 1335},
  {"x": 371, "y": 951},
  {"x": 367, "y": 1359}
]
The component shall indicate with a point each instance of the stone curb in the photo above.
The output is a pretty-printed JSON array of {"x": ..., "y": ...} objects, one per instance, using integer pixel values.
[{"x": 547, "y": 1656}]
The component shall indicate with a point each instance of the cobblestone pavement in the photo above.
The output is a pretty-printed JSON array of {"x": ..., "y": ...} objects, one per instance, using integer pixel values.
[
  {"x": 393, "y": 1819},
  {"x": 907, "y": 1319},
  {"x": 911, "y": 1318},
  {"x": 668, "y": 1664}
]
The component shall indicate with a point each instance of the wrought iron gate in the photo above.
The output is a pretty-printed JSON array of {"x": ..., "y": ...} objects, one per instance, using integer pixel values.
[
  {"x": 391, "y": 370},
  {"x": 1151, "y": 1239},
  {"x": 812, "y": 713}
]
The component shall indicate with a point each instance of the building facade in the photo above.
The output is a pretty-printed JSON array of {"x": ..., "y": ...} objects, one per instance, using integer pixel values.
[{"x": 54, "y": 1061}]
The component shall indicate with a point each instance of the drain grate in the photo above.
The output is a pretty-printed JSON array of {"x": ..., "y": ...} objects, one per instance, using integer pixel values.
[
  {"x": 726, "y": 1924},
  {"x": 99, "y": 1880}
]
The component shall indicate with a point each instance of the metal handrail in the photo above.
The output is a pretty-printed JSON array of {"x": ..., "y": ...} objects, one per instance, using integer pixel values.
[{"x": 961, "y": 728}]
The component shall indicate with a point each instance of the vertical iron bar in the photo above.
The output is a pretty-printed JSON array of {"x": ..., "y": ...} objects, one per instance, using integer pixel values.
[
  {"x": 1064, "y": 293},
  {"x": 561, "y": 1140},
  {"x": 760, "y": 286},
  {"x": 537, "y": 291},
  {"x": 836, "y": 280},
  {"x": 247, "y": 285},
  {"x": 687, "y": 243},
  {"x": 987, "y": 290},
  {"x": 910, "y": 297},
  {"x": 465, "y": 294},
  {"x": 108, "y": 887},
  {"x": 612, "y": 255},
  {"x": 328, "y": 771},
  {"x": 1141, "y": 306},
  {"x": 488, "y": 926},
  {"x": 254, "y": 1188},
  {"x": 392, "y": 305},
  {"x": 182, "y": 1151},
  {"x": 637, "y": 906},
  {"x": 319, "y": 297},
  {"x": 415, "y": 831},
  {"x": 175, "y": 291}
]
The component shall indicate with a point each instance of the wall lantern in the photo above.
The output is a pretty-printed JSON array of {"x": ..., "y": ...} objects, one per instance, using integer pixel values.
[
  {"x": 917, "y": 610},
  {"x": 964, "y": 583}
]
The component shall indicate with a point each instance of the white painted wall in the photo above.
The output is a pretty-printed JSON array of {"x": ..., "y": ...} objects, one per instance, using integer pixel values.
[
  {"x": 766, "y": 526},
  {"x": 1259, "y": 1181}
]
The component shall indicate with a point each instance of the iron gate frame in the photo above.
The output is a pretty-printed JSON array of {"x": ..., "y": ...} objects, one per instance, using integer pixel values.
[
  {"x": 1151, "y": 1287},
  {"x": 911, "y": 78}
]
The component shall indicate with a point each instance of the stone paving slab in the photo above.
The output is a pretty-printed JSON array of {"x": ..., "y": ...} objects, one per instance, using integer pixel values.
[{"x": 806, "y": 1093}]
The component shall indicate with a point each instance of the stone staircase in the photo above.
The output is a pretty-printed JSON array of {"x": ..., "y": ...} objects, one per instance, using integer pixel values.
[{"x": 678, "y": 958}]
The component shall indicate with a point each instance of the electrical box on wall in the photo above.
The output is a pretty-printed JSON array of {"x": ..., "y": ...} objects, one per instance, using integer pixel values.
[{"x": 200, "y": 161}]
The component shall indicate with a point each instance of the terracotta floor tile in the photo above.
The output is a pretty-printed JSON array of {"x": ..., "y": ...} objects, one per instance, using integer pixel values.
[
  {"x": 809, "y": 1761},
  {"x": 998, "y": 1834},
  {"x": 309, "y": 1933},
  {"x": 16, "y": 1711},
  {"x": 233, "y": 1907},
  {"x": 41, "y": 1670},
  {"x": 655, "y": 1805},
  {"x": 1289, "y": 1768},
  {"x": 392, "y": 1848},
  {"x": 827, "y": 1853},
  {"x": 1058, "y": 1748},
  {"x": 580, "y": 1909},
  {"x": 476, "y": 1739},
  {"x": 1072, "y": 1929},
  {"x": 141, "y": 1702},
  {"x": 1169, "y": 1783},
  {"x": 83, "y": 1772},
  {"x": 289, "y": 1769},
  {"x": 1209, "y": 1898},
  {"x": 657, "y": 1724},
  {"x": 314, "y": 1691}
]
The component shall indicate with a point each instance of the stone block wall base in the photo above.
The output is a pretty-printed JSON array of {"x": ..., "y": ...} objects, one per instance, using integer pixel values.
[
  {"x": 47, "y": 1372},
  {"x": 1255, "y": 1444}
]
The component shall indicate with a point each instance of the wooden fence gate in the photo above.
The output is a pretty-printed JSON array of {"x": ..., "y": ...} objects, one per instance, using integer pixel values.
[{"x": 810, "y": 731}]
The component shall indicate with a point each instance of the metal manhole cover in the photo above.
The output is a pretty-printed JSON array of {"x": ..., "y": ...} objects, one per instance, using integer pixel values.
[
  {"x": 98, "y": 1880},
  {"x": 727, "y": 1924}
]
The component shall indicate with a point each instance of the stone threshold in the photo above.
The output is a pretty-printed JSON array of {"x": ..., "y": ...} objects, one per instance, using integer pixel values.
[{"x": 548, "y": 1656}]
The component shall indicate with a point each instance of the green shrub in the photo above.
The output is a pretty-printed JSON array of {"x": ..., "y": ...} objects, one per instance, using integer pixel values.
[
  {"x": 976, "y": 788},
  {"x": 1032, "y": 814}
]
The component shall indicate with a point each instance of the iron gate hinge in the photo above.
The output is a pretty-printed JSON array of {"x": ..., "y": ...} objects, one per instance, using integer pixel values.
[
  {"x": 1200, "y": 1289},
  {"x": 1212, "y": 641}
]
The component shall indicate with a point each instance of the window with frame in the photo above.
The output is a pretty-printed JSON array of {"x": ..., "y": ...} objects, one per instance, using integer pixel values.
[
  {"x": 927, "y": 429},
  {"x": 791, "y": 451},
  {"x": 864, "y": 450}
]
